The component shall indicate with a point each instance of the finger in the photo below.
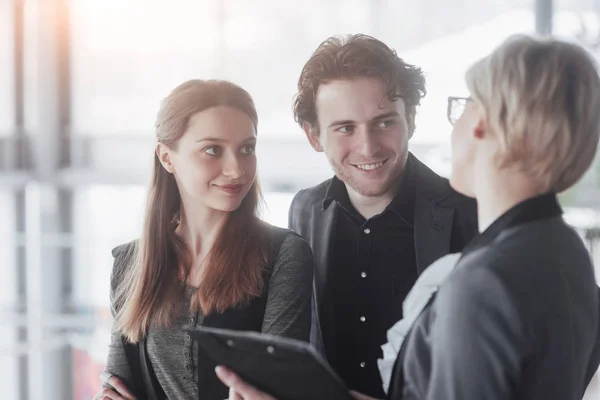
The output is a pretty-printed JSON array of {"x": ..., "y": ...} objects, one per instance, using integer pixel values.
[
  {"x": 119, "y": 386},
  {"x": 233, "y": 395},
  {"x": 242, "y": 388},
  {"x": 104, "y": 394},
  {"x": 108, "y": 394},
  {"x": 360, "y": 396}
]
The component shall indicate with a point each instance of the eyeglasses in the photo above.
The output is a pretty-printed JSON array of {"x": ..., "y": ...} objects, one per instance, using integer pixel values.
[{"x": 456, "y": 106}]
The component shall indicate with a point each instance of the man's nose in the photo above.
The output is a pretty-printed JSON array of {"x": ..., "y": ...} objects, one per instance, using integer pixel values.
[{"x": 367, "y": 142}]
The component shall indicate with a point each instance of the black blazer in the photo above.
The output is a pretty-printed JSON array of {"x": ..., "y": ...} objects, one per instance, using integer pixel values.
[
  {"x": 518, "y": 318},
  {"x": 445, "y": 222}
]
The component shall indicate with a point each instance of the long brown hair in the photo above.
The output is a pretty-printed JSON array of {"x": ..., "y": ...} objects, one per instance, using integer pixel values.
[{"x": 152, "y": 288}]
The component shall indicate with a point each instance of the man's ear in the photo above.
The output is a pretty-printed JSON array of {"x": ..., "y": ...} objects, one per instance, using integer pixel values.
[
  {"x": 409, "y": 116},
  {"x": 164, "y": 156},
  {"x": 312, "y": 134},
  {"x": 410, "y": 124}
]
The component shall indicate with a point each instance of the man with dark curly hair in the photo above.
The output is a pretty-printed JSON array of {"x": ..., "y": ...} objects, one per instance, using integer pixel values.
[{"x": 384, "y": 216}]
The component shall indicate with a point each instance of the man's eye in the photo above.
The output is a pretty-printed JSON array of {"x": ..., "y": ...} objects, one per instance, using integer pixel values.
[
  {"x": 346, "y": 129},
  {"x": 386, "y": 123}
]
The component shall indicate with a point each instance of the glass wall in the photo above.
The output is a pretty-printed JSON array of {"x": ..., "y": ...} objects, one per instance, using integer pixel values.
[
  {"x": 125, "y": 56},
  {"x": 7, "y": 70}
]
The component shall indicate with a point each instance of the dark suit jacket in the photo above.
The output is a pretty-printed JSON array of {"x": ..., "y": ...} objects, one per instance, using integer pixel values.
[
  {"x": 518, "y": 318},
  {"x": 445, "y": 222}
]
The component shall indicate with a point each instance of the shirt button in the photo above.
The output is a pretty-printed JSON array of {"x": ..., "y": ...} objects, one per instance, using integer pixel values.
[
  {"x": 367, "y": 231},
  {"x": 188, "y": 367},
  {"x": 187, "y": 337},
  {"x": 362, "y": 319},
  {"x": 192, "y": 319},
  {"x": 363, "y": 364},
  {"x": 363, "y": 274}
]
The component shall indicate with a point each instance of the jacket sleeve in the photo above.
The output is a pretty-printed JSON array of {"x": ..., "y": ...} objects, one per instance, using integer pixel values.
[
  {"x": 477, "y": 341},
  {"x": 592, "y": 366},
  {"x": 295, "y": 209},
  {"x": 117, "y": 362},
  {"x": 288, "y": 309},
  {"x": 296, "y": 213}
]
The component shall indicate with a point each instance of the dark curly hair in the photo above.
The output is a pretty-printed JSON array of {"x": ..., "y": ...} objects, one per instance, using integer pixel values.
[{"x": 357, "y": 56}]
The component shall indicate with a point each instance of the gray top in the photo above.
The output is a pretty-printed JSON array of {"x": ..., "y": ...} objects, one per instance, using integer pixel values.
[{"x": 174, "y": 356}]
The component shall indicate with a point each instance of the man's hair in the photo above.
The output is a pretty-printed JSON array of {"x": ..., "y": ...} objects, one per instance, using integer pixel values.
[
  {"x": 542, "y": 103},
  {"x": 353, "y": 57}
]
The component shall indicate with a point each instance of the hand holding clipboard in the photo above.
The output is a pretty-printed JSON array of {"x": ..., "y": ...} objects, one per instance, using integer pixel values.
[{"x": 284, "y": 368}]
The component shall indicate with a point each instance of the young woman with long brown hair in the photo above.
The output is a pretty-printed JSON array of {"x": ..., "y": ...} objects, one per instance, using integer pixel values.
[{"x": 205, "y": 257}]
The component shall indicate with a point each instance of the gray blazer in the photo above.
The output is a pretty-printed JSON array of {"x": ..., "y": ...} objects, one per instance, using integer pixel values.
[{"x": 518, "y": 318}]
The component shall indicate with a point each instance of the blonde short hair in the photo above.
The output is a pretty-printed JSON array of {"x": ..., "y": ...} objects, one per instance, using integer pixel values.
[{"x": 542, "y": 102}]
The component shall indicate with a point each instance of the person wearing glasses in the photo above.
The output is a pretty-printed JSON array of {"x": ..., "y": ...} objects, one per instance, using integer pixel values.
[{"x": 517, "y": 316}]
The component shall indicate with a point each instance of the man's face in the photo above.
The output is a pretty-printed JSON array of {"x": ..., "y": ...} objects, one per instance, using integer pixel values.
[{"x": 363, "y": 134}]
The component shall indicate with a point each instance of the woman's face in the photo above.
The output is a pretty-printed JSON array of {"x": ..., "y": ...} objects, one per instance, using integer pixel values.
[
  {"x": 214, "y": 163},
  {"x": 464, "y": 147}
]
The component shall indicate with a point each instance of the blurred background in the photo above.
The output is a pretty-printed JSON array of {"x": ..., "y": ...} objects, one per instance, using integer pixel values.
[{"x": 80, "y": 85}]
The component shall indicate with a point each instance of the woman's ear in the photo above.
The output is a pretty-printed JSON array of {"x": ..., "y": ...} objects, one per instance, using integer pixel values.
[
  {"x": 480, "y": 131},
  {"x": 164, "y": 156}
]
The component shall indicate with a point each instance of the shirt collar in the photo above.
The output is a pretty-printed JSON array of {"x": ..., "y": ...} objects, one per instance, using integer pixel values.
[
  {"x": 534, "y": 209},
  {"x": 336, "y": 192}
]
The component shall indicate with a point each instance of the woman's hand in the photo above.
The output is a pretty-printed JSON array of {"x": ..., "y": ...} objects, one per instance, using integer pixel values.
[{"x": 119, "y": 391}]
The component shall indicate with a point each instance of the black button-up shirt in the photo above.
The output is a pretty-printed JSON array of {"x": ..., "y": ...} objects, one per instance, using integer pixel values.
[{"x": 374, "y": 268}]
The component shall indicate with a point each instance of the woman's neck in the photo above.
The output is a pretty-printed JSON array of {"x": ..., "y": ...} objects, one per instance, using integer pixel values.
[
  {"x": 497, "y": 194},
  {"x": 199, "y": 228}
]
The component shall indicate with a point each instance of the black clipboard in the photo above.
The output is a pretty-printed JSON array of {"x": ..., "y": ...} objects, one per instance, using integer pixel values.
[{"x": 285, "y": 368}]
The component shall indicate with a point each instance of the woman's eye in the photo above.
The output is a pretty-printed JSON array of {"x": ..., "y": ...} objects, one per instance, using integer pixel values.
[
  {"x": 213, "y": 150},
  {"x": 249, "y": 150}
]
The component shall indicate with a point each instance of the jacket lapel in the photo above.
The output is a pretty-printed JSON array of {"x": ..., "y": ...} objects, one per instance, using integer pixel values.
[
  {"x": 323, "y": 218},
  {"x": 433, "y": 223}
]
